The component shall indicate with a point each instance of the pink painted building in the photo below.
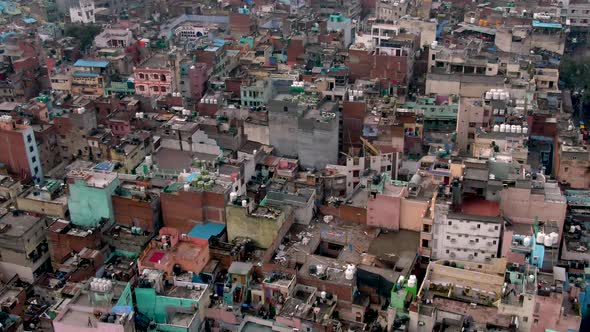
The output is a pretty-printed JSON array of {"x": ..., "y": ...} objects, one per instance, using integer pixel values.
[
  {"x": 154, "y": 77},
  {"x": 170, "y": 248}
]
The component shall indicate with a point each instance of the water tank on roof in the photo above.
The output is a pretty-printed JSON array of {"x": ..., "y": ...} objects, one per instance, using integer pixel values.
[
  {"x": 412, "y": 281},
  {"x": 502, "y": 128},
  {"x": 244, "y": 203},
  {"x": 349, "y": 273},
  {"x": 525, "y": 130},
  {"x": 320, "y": 268},
  {"x": 527, "y": 241},
  {"x": 488, "y": 95},
  {"x": 518, "y": 129},
  {"x": 513, "y": 129},
  {"x": 233, "y": 196},
  {"x": 495, "y": 95},
  {"x": 547, "y": 241},
  {"x": 496, "y": 128},
  {"x": 540, "y": 238},
  {"x": 472, "y": 20},
  {"x": 554, "y": 238}
]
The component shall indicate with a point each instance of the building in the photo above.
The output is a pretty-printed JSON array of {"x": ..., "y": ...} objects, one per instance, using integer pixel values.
[
  {"x": 90, "y": 197},
  {"x": 83, "y": 12},
  {"x": 262, "y": 224},
  {"x": 112, "y": 299},
  {"x": 90, "y": 77},
  {"x": 313, "y": 129},
  {"x": 343, "y": 25},
  {"x": 172, "y": 250},
  {"x": 180, "y": 307},
  {"x": 155, "y": 76},
  {"x": 464, "y": 236},
  {"x": 49, "y": 199},
  {"x": 255, "y": 93},
  {"x": 302, "y": 201},
  {"x": 114, "y": 38},
  {"x": 572, "y": 166},
  {"x": 391, "y": 10},
  {"x": 23, "y": 241},
  {"x": 461, "y": 290},
  {"x": 18, "y": 150}
]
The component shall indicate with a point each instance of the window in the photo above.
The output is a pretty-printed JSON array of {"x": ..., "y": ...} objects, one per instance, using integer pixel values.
[
  {"x": 448, "y": 237},
  {"x": 478, "y": 225},
  {"x": 424, "y": 243},
  {"x": 496, "y": 227},
  {"x": 141, "y": 76},
  {"x": 450, "y": 222},
  {"x": 155, "y": 88},
  {"x": 525, "y": 319},
  {"x": 447, "y": 251},
  {"x": 36, "y": 169},
  {"x": 475, "y": 254},
  {"x": 471, "y": 124},
  {"x": 477, "y": 240},
  {"x": 141, "y": 88},
  {"x": 163, "y": 88},
  {"x": 31, "y": 148},
  {"x": 426, "y": 228},
  {"x": 34, "y": 159},
  {"x": 494, "y": 242},
  {"x": 29, "y": 138}
]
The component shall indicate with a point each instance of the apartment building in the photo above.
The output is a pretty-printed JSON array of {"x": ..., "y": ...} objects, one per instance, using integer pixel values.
[
  {"x": 463, "y": 236},
  {"x": 18, "y": 150}
]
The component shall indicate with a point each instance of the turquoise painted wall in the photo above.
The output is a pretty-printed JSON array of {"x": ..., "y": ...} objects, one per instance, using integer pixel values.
[
  {"x": 88, "y": 204},
  {"x": 154, "y": 306}
]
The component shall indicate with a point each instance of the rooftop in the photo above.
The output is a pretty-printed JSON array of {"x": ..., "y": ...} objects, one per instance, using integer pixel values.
[
  {"x": 14, "y": 226},
  {"x": 93, "y": 178},
  {"x": 91, "y": 63}
]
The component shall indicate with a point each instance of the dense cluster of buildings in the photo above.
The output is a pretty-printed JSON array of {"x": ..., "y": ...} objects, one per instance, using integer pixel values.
[{"x": 336, "y": 165}]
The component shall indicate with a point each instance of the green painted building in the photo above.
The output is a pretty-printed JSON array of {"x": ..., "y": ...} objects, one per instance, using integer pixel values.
[
  {"x": 89, "y": 198},
  {"x": 256, "y": 94},
  {"x": 180, "y": 310},
  {"x": 438, "y": 116}
]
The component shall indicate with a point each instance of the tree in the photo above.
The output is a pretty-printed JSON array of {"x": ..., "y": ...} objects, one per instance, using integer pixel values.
[
  {"x": 85, "y": 33},
  {"x": 575, "y": 75}
]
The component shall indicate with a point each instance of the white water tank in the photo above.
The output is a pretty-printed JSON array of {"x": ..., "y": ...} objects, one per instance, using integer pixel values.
[
  {"x": 525, "y": 130},
  {"x": 513, "y": 129},
  {"x": 433, "y": 45},
  {"x": 554, "y": 238},
  {"x": 518, "y": 129},
  {"x": 320, "y": 269},
  {"x": 351, "y": 98},
  {"x": 496, "y": 128},
  {"x": 412, "y": 281},
  {"x": 540, "y": 237},
  {"x": 349, "y": 273},
  {"x": 148, "y": 160},
  {"x": 233, "y": 196},
  {"x": 548, "y": 241},
  {"x": 527, "y": 241},
  {"x": 244, "y": 203},
  {"x": 472, "y": 20},
  {"x": 531, "y": 278},
  {"x": 488, "y": 95},
  {"x": 186, "y": 187},
  {"x": 496, "y": 95},
  {"x": 502, "y": 128},
  {"x": 400, "y": 280},
  {"x": 323, "y": 295}
]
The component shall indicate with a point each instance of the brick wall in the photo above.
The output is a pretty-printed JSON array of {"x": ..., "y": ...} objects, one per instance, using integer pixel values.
[
  {"x": 131, "y": 212},
  {"x": 185, "y": 209}
]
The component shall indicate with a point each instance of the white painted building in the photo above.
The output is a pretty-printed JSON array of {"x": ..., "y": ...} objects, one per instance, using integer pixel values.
[
  {"x": 459, "y": 236},
  {"x": 83, "y": 12}
]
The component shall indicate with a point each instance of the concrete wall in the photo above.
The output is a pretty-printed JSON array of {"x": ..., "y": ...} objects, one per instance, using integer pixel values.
[
  {"x": 48, "y": 208},
  {"x": 88, "y": 205},
  {"x": 261, "y": 230},
  {"x": 257, "y": 132},
  {"x": 283, "y": 128},
  {"x": 317, "y": 143},
  {"x": 384, "y": 211},
  {"x": 521, "y": 206},
  {"x": 411, "y": 214}
]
